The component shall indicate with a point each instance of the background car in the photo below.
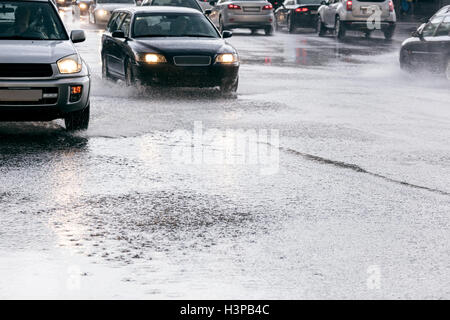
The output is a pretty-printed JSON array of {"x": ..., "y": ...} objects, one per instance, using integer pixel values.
[
  {"x": 366, "y": 16},
  {"x": 252, "y": 14},
  {"x": 42, "y": 76},
  {"x": 173, "y": 3},
  {"x": 81, "y": 7},
  {"x": 63, "y": 3},
  {"x": 168, "y": 46},
  {"x": 294, "y": 14},
  {"x": 429, "y": 46},
  {"x": 100, "y": 10}
]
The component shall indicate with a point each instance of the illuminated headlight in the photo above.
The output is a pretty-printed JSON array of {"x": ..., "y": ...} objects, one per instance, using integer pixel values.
[
  {"x": 102, "y": 13},
  {"x": 227, "y": 58},
  {"x": 83, "y": 6},
  {"x": 70, "y": 64},
  {"x": 152, "y": 58},
  {"x": 61, "y": 1}
]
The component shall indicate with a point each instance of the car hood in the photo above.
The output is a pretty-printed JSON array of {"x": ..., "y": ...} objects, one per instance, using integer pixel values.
[
  {"x": 112, "y": 6},
  {"x": 27, "y": 51},
  {"x": 175, "y": 45}
]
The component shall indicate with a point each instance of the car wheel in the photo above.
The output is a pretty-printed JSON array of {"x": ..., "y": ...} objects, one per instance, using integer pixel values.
[
  {"x": 388, "y": 34},
  {"x": 291, "y": 26},
  {"x": 321, "y": 30},
  {"x": 447, "y": 70},
  {"x": 229, "y": 89},
  {"x": 339, "y": 29},
  {"x": 78, "y": 120},
  {"x": 268, "y": 30}
]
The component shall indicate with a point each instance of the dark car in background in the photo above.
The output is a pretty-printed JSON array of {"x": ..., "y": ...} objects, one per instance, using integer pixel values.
[
  {"x": 42, "y": 76},
  {"x": 168, "y": 46},
  {"x": 193, "y": 4},
  {"x": 293, "y": 14},
  {"x": 100, "y": 10},
  {"x": 429, "y": 46}
]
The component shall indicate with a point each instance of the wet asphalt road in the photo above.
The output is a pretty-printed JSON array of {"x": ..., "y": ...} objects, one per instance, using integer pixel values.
[{"x": 355, "y": 204}]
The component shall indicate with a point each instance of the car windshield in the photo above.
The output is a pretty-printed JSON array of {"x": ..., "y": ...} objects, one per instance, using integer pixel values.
[
  {"x": 309, "y": 1},
  {"x": 116, "y": 1},
  {"x": 173, "y": 25},
  {"x": 21, "y": 20},
  {"x": 430, "y": 27},
  {"x": 444, "y": 28},
  {"x": 176, "y": 3}
]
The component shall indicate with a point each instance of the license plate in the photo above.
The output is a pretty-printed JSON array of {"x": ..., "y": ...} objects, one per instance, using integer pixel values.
[
  {"x": 252, "y": 9},
  {"x": 20, "y": 95}
]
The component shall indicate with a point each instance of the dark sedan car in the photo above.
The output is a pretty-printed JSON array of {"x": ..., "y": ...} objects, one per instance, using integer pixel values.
[
  {"x": 429, "y": 46},
  {"x": 173, "y": 3},
  {"x": 294, "y": 14},
  {"x": 168, "y": 46}
]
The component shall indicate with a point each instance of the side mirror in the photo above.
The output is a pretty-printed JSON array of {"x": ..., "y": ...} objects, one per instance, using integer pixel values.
[
  {"x": 227, "y": 34},
  {"x": 77, "y": 36},
  {"x": 419, "y": 32},
  {"x": 118, "y": 34},
  {"x": 208, "y": 12},
  {"x": 212, "y": 3}
]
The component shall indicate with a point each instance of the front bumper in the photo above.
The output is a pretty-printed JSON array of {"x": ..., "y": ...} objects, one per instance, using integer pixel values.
[
  {"x": 174, "y": 76},
  {"x": 46, "y": 109},
  {"x": 248, "y": 20}
]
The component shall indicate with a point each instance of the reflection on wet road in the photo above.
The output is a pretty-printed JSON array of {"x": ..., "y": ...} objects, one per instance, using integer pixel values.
[{"x": 362, "y": 183}]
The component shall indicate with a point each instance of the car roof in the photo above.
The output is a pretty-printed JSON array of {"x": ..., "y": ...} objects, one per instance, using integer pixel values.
[{"x": 160, "y": 9}]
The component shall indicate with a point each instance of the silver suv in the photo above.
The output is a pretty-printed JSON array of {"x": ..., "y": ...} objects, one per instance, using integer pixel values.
[
  {"x": 42, "y": 76},
  {"x": 366, "y": 16}
]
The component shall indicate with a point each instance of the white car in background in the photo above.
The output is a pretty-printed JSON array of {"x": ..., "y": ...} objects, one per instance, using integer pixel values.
[
  {"x": 249, "y": 14},
  {"x": 100, "y": 10}
]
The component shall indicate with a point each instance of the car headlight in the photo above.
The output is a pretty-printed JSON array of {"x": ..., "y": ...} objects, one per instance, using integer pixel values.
[
  {"x": 227, "y": 58},
  {"x": 151, "y": 58},
  {"x": 83, "y": 6},
  {"x": 70, "y": 64},
  {"x": 102, "y": 13}
]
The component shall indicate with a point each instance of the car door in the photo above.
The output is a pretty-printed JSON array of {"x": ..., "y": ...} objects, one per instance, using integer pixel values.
[
  {"x": 112, "y": 45},
  {"x": 122, "y": 44}
]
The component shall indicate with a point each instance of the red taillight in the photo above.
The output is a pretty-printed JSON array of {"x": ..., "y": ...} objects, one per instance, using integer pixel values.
[
  {"x": 233, "y": 6},
  {"x": 301, "y": 10},
  {"x": 349, "y": 5},
  {"x": 268, "y": 7},
  {"x": 391, "y": 6}
]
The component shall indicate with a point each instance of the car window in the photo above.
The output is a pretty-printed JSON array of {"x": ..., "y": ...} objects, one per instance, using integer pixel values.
[
  {"x": 431, "y": 26},
  {"x": 444, "y": 28},
  {"x": 173, "y": 25},
  {"x": 22, "y": 20},
  {"x": 113, "y": 22},
  {"x": 177, "y": 3},
  {"x": 125, "y": 25},
  {"x": 115, "y": 25}
]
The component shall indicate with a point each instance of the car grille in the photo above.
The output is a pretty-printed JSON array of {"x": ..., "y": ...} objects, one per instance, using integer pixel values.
[
  {"x": 49, "y": 97},
  {"x": 192, "y": 60},
  {"x": 25, "y": 70}
]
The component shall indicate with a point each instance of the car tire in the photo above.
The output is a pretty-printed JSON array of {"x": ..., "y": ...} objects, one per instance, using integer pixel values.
[
  {"x": 268, "y": 30},
  {"x": 339, "y": 29},
  {"x": 229, "y": 90},
  {"x": 388, "y": 33},
  {"x": 78, "y": 120},
  {"x": 291, "y": 25},
  {"x": 321, "y": 29}
]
